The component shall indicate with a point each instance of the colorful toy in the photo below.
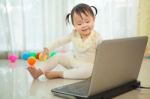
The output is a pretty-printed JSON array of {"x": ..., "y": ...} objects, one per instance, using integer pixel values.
[
  {"x": 45, "y": 57},
  {"x": 53, "y": 53},
  {"x": 25, "y": 55},
  {"x": 37, "y": 55},
  {"x": 42, "y": 58},
  {"x": 12, "y": 58},
  {"x": 33, "y": 54},
  {"x": 31, "y": 61}
]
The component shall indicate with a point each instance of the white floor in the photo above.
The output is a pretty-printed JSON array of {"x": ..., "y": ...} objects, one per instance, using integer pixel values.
[{"x": 16, "y": 83}]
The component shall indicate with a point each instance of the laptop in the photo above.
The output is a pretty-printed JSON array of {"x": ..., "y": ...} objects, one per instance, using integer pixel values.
[{"x": 115, "y": 71}]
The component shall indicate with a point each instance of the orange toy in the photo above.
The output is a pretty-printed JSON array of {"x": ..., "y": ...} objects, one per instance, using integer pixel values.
[
  {"x": 38, "y": 54},
  {"x": 31, "y": 61}
]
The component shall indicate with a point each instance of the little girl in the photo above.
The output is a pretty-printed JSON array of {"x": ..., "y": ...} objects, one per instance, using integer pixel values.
[{"x": 79, "y": 64}]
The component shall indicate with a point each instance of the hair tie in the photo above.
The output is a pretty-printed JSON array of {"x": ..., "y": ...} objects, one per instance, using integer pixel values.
[
  {"x": 95, "y": 9},
  {"x": 67, "y": 18}
]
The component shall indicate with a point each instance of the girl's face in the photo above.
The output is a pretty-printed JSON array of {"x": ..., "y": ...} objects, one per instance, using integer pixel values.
[{"x": 83, "y": 24}]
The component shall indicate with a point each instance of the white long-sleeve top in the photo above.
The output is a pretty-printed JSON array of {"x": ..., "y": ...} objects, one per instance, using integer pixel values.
[{"x": 84, "y": 51}]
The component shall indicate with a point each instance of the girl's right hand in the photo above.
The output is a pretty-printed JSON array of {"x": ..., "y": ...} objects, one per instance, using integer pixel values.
[
  {"x": 46, "y": 51},
  {"x": 44, "y": 54}
]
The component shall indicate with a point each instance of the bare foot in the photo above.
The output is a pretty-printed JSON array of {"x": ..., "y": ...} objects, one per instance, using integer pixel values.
[
  {"x": 35, "y": 72},
  {"x": 53, "y": 74}
]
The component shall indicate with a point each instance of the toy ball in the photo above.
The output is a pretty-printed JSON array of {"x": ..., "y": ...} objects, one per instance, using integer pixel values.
[
  {"x": 31, "y": 61},
  {"x": 33, "y": 54},
  {"x": 38, "y": 54},
  {"x": 42, "y": 58},
  {"x": 53, "y": 53},
  {"x": 25, "y": 55},
  {"x": 12, "y": 58}
]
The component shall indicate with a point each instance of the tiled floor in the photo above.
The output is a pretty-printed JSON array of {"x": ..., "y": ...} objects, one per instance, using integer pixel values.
[{"x": 16, "y": 83}]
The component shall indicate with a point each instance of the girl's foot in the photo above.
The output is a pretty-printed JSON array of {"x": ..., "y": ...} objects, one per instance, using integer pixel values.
[
  {"x": 53, "y": 74},
  {"x": 35, "y": 72}
]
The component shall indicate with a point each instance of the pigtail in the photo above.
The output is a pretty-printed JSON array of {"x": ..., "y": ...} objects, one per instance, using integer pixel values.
[
  {"x": 67, "y": 18},
  {"x": 95, "y": 10}
]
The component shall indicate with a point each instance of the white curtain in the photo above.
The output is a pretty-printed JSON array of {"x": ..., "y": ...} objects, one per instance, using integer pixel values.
[{"x": 29, "y": 25}]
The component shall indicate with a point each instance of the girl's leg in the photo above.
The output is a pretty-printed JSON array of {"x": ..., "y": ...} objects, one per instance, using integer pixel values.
[
  {"x": 77, "y": 69},
  {"x": 78, "y": 73},
  {"x": 53, "y": 74},
  {"x": 62, "y": 58},
  {"x": 48, "y": 64}
]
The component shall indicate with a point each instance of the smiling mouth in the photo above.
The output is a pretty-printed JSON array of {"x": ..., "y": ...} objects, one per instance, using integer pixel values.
[{"x": 85, "y": 30}]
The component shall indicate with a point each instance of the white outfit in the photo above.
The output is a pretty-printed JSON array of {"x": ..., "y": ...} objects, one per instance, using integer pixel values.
[{"x": 79, "y": 64}]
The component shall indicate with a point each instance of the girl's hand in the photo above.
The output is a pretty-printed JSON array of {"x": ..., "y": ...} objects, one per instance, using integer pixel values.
[
  {"x": 46, "y": 51},
  {"x": 44, "y": 54}
]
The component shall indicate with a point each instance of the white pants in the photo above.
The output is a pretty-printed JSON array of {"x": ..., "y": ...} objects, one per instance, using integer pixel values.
[{"x": 75, "y": 69}]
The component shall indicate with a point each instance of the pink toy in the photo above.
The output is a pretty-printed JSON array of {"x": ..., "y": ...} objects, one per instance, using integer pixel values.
[{"x": 12, "y": 58}]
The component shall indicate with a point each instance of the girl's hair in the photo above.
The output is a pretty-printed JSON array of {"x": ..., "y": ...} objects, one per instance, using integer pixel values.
[{"x": 81, "y": 8}]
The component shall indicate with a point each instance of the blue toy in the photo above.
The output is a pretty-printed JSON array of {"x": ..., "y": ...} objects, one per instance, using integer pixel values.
[{"x": 25, "y": 55}]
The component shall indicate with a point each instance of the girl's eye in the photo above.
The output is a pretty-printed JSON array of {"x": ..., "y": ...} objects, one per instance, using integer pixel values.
[{"x": 79, "y": 24}]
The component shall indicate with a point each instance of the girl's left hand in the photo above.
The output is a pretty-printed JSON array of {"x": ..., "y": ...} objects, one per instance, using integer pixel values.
[{"x": 46, "y": 51}]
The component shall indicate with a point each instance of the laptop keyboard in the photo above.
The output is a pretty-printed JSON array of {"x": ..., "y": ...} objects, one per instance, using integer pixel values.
[{"x": 79, "y": 88}]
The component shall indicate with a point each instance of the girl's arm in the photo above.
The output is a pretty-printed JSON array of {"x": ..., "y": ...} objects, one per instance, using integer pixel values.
[{"x": 58, "y": 43}]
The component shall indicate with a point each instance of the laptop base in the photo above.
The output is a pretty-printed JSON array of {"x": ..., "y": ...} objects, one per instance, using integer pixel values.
[{"x": 109, "y": 94}]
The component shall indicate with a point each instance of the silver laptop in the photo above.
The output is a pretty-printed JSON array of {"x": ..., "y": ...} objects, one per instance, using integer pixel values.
[{"x": 116, "y": 68}]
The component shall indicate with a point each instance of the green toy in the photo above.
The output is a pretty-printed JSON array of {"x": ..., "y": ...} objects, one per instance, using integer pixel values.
[
  {"x": 53, "y": 53},
  {"x": 33, "y": 54}
]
